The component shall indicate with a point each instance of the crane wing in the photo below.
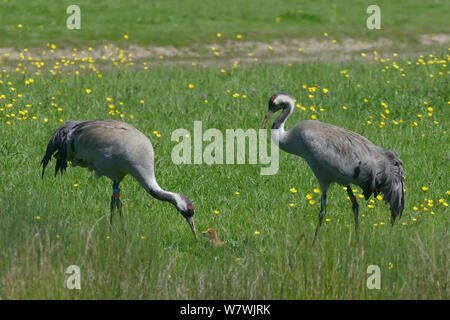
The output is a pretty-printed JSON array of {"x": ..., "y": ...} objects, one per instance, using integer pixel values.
[
  {"x": 337, "y": 154},
  {"x": 110, "y": 148}
]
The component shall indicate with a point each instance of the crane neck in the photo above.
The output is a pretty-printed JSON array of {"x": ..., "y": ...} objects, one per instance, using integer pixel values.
[
  {"x": 279, "y": 122},
  {"x": 163, "y": 195},
  {"x": 151, "y": 186}
]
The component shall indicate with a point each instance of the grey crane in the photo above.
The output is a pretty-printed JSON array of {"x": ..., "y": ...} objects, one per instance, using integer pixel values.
[
  {"x": 112, "y": 149},
  {"x": 338, "y": 155}
]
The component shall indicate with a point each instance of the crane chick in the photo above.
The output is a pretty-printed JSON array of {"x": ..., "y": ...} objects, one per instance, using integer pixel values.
[{"x": 212, "y": 236}]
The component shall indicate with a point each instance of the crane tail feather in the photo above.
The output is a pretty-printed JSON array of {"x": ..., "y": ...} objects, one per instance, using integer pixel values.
[
  {"x": 390, "y": 181},
  {"x": 57, "y": 147}
]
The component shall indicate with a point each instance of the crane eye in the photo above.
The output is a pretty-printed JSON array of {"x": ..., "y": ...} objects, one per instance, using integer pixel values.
[
  {"x": 273, "y": 98},
  {"x": 190, "y": 207}
]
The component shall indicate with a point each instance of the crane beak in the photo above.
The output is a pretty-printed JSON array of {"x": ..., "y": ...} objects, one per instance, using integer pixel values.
[
  {"x": 266, "y": 119},
  {"x": 192, "y": 225}
]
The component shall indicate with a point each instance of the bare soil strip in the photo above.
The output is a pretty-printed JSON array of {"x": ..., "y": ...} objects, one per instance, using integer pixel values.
[{"x": 226, "y": 53}]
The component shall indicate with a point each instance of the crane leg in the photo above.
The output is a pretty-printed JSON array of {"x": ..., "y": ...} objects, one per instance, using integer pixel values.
[
  {"x": 111, "y": 208},
  {"x": 323, "y": 211},
  {"x": 355, "y": 208},
  {"x": 119, "y": 206},
  {"x": 116, "y": 203}
]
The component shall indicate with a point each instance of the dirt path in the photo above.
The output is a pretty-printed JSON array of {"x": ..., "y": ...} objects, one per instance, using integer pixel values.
[{"x": 226, "y": 53}]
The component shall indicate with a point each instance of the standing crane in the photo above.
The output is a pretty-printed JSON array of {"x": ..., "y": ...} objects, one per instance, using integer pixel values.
[
  {"x": 338, "y": 155},
  {"x": 112, "y": 149}
]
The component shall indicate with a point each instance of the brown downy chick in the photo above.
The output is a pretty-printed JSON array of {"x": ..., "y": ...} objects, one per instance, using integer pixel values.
[{"x": 212, "y": 236}]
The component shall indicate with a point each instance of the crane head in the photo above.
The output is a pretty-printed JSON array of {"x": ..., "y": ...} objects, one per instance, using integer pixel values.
[
  {"x": 185, "y": 207},
  {"x": 278, "y": 101}
]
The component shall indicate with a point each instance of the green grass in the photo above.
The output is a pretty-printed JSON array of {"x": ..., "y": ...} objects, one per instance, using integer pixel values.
[
  {"x": 159, "y": 259},
  {"x": 190, "y": 22}
]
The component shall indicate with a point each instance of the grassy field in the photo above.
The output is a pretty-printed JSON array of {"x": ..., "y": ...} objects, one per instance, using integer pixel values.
[
  {"x": 194, "y": 21},
  {"x": 398, "y": 102}
]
